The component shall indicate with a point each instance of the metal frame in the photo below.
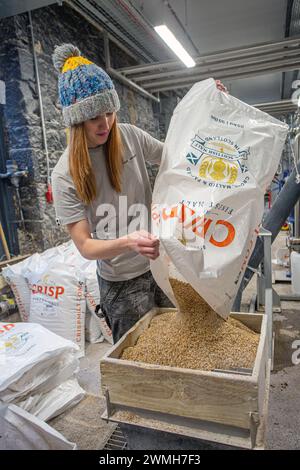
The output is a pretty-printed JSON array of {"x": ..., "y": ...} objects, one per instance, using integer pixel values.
[
  {"x": 265, "y": 292},
  {"x": 277, "y": 107}
]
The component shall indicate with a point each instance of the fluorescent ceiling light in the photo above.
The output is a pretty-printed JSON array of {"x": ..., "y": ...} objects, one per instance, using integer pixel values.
[{"x": 174, "y": 44}]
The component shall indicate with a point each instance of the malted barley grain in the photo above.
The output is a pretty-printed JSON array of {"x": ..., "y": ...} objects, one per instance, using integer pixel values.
[{"x": 196, "y": 337}]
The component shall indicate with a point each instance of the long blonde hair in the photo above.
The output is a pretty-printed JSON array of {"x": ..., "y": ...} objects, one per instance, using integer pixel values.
[{"x": 81, "y": 166}]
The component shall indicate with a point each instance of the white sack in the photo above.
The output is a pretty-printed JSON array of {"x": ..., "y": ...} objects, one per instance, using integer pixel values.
[
  {"x": 66, "y": 255},
  {"x": 46, "y": 406},
  {"x": 20, "y": 430},
  {"x": 29, "y": 354},
  {"x": 92, "y": 326},
  {"x": 70, "y": 255},
  {"x": 105, "y": 329},
  {"x": 15, "y": 276},
  {"x": 42, "y": 377},
  {"x": 58, "y": 301},
  {"x": 219, "y": 157},
  {"x": 93, "y": 333}
]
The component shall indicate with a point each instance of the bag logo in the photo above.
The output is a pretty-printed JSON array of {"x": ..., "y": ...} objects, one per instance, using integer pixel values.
[
  {"x": 14, "y": 342},
  {"x": 47, "y": 287},
  {"x": 217, "y": 159}
]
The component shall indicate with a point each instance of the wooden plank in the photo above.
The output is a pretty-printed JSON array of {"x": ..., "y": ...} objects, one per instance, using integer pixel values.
[
  {"x": 14, "y": 260},
  {"x": 196, "y": 429},
  {"x": 262, "y": 368},
  {"x": 260, "y": 359},
  {"x": 262, "y": 428},
  {"x": 4, "y": 242},
  {"x": 220, "y": 398}
]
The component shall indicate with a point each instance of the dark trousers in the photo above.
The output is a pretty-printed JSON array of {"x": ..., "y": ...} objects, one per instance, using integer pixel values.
[{"x": 123, "y": 303}]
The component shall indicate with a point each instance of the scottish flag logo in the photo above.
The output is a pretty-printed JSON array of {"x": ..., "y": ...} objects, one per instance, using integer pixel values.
[{"x": 192, "y": 158}]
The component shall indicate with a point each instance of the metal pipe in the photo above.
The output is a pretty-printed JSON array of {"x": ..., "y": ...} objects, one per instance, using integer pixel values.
[
  {"x": 220, "y": 55},
  {"x": 277, "y": 106},
  {"x": 132, "y": 85},
  {"x": 253, "y": 73},
  {"x": 277, "y": 110},
  {"x": 22, "y": 220},
  {"x": 227, "y": 65},
  {"x": 40, "y": 97},
  {"x": 263, "y": 66},
  {"x": 273, "y": 222},
  {"x": 120, "y": 77}
]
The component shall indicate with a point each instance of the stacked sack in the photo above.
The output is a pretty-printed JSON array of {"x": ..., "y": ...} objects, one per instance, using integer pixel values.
[
  {"x": 20, "y": 430},
  {"x": 38, "y": 370},
  {"x": 59, "y": 290}
]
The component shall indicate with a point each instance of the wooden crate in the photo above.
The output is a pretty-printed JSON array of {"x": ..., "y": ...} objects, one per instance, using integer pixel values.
[{"x": 229, "y": 398}]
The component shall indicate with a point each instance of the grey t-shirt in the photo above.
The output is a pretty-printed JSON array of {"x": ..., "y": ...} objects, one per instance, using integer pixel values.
[{"x": 113, "y": 214}]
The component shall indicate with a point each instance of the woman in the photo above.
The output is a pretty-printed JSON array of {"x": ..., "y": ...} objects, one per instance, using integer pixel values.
[{"x": 102, "y": 192}]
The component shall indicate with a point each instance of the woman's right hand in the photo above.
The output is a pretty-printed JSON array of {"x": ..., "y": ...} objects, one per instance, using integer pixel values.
[{"x": 144, "y": 243}]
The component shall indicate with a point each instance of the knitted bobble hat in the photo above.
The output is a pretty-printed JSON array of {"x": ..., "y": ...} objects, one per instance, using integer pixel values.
[{"x": 85, "y": 90}]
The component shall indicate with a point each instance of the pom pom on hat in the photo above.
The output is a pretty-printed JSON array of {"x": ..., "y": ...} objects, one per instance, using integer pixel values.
[{"x": 62, "y": 53}]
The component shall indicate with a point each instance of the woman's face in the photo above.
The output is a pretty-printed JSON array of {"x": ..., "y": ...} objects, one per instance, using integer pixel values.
[{"x": 97, "y": 129}]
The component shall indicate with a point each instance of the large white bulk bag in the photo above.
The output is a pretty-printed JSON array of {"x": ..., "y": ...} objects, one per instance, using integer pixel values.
[{"x": 219, "y": 157}]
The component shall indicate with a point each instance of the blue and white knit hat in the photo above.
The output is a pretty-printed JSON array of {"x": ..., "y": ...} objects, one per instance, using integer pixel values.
[{"x": 85, "y": 90}]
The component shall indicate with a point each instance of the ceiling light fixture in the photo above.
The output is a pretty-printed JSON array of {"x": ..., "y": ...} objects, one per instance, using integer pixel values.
[{"x": 174, "y": 45}]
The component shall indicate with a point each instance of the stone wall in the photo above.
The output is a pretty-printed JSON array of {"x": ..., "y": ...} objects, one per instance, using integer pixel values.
[
  {"x": 53, "y": 25},
  {"x": 168, "y": 102}
]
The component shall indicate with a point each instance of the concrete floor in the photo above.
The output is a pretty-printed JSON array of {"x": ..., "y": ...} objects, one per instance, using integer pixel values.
[
  {"x": 284, "y": 404},
  {"x": 89, "y": 374},
  {"x": 83, "y": 424}
]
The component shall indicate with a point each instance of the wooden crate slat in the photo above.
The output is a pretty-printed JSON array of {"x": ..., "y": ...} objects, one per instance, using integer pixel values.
[{"x": 214, "y": 399}]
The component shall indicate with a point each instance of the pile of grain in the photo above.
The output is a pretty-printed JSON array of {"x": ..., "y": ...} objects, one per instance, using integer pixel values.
[{"x": 194, "y": 338}]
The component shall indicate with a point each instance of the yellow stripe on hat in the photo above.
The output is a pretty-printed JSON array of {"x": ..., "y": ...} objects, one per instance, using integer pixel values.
[{"x": 73, "y": 62}]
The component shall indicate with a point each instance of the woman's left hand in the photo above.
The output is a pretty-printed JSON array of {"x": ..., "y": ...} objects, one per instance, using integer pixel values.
[{"x": 220, "y": 86}]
